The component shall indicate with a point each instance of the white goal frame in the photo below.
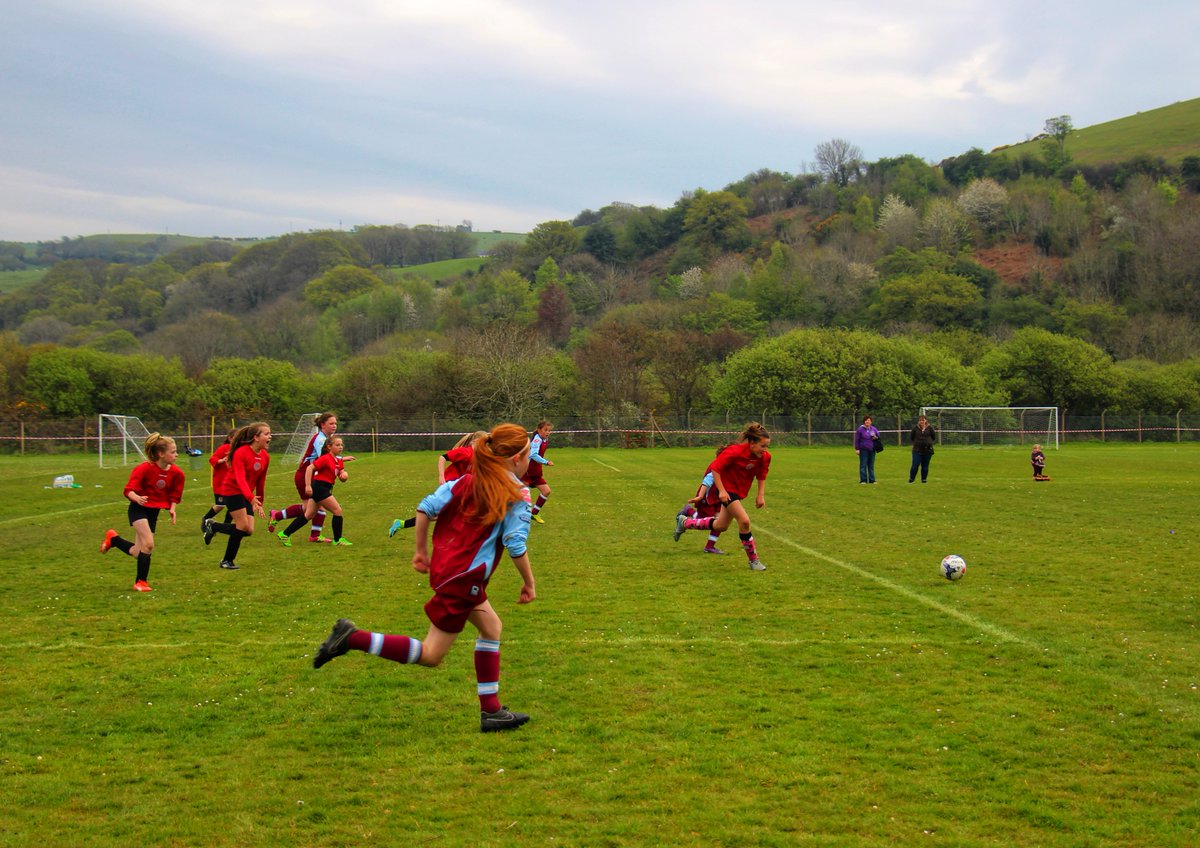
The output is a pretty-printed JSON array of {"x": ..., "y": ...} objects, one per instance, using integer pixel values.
[
  {"x": 1047, "y": 437},
  {"x": 131, "y": 432},
  {"x": 305, "y": 428}
]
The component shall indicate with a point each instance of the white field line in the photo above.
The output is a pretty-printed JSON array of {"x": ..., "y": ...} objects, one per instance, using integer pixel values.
[
  {"x": 37, "y": 517},
  {"x": 606, "y": 465},
  {"x": 991, "y": 629}
]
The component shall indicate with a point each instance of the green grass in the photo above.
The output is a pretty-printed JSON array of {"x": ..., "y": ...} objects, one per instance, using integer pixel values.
[
  {"x": 13, "y": 280},
  {"x": 1171, "y": 132},
  {"x": 846, "y": 696},
  {"x": 486, "y": 240}
]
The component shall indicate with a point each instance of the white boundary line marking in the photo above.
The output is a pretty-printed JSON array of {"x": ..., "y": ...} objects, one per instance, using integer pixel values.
[
  {"x": 606, "y": 465},
  {"x": 998, "y": 632},
  {"x": 33, "y": 519}
]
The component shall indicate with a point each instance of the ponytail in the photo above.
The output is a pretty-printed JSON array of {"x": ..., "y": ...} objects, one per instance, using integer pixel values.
[
  {"x": 156, "y": 445},
  {"x": 495, "y": 486}
]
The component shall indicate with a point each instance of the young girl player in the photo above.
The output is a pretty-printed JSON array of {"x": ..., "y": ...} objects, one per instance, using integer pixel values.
[
  {"x": 733, "y": 470},
  {"x": 477, "y": 515},
  {"x": 154, "y": 485},
  {"x": 318, "y": 484},
  {"x": 244, "y": 488}
]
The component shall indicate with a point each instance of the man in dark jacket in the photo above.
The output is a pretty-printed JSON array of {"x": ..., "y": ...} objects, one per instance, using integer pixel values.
[{"x": 923, "y": 436}]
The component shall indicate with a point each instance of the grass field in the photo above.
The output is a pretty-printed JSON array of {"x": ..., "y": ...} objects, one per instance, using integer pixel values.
[
  {"x": 13, "y": 280},
  {"x": 1170, "y": 132},
  {"x": 846, "y": 696},
  {"x": 443, "y": 270}
]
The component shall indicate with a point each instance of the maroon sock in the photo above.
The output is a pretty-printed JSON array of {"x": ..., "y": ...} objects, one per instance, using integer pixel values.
[
  {"x": 487, "y": 674},
  {"x": 293, "y": 511},
  {"x": 401, "y": 649}
]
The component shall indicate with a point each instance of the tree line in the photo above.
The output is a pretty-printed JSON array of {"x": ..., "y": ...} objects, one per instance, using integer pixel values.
[{"x": 881, "y": 286}]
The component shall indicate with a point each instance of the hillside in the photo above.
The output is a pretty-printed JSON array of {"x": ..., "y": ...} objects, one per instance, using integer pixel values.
[{"x": 1171, "y": 132}]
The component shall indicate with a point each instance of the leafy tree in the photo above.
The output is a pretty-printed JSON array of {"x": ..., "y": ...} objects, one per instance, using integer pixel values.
[
  {"x": 943, "y": 227},
  {"x": 984, "y": 201},
  {"x": 554, "y": 239},
  {"x": 898, "y": 223},
  {"x": 339, "y": 283},
  {"x": 266, "y": 388},
  {"x": 554, "y": 314},
  {"x": 401, "y": 383},
  {"x": 929, "y": 297},
  {"x": 716, "y": 222},
  {"x": 507, "y": 373},
  {"x": 1038, "y": 368},
  {"x": 197, "y": 340},
  {"x": 601, "y": 242},
  {"x": 71, "y": 383},
  {"x": 1057, "y": 129}
]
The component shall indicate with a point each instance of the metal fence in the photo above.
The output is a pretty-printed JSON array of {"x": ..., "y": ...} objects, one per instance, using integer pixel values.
[{"x": 436, "y": 433}]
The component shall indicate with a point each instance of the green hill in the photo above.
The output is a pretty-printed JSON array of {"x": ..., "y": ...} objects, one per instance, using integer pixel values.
[{"x": 1171, "y": 132}]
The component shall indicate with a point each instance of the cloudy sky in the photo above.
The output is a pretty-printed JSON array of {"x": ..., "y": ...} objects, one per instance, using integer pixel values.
[{"x": 228, "y": 117}]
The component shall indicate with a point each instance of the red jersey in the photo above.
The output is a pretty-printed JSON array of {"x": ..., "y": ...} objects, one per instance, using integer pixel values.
[
  {"x": 162, "y": 487},
  {"x": 247, "y": 473},
  {"x": 458, "y": 461},
  {"x": 327, "y": 468},
  {"x": 219, "y": 466},
  {"x": 739, "y": 468}
]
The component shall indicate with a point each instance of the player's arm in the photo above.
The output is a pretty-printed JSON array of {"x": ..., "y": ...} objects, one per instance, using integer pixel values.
[
  {"x": 528, "y": 591},
  {"x": 308, "y": 478},
  {"x": 760, "y": 499},
  {"x": 420, "y": 560},
  {"x": 721, "y": 493},
  {"x": 441, "y": 469}
]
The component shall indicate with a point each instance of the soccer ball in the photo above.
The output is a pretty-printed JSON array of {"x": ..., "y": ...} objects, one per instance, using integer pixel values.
[{"x": 954, "y": 567}]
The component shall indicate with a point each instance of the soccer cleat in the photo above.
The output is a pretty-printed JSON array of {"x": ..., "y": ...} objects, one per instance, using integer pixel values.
[
  {"x": 756, "y": 564},
  {"x": 209, "y": 531},
  {"x": 396, "y": 525},
  {"x": 324, "y": 539},
  {"x": 344, "y": 542},
  {"x": 713, "y": 549},
  {"x": 335, "y": 645},
  {"x": 107, "y": 543},
  {"x": 228, "y": 565},
  {"x": 537, "y": 518},
  {"x": 204, "y": 523},
  {"x": 680, "y": 526},
  {"x": 142, "y": 586},
  {"x": 285, "y": 538},
  {"x": 502, "y": 719}
]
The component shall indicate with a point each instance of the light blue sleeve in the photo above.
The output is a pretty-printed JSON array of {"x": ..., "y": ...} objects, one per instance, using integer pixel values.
[
  {"x": 535, "y": 445},
  {"x": 318, "y": 443},
  {"x": 436, "y": 501},
  {"x": 514, "y": 528},
  {"x": 708, "y": 480}
]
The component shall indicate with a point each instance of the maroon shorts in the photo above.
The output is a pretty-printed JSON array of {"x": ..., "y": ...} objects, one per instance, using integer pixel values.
[
  {"x": 299, "y": 480},
  {"x": 533, "y": 476},
  {"x": 453, "y": 601}
]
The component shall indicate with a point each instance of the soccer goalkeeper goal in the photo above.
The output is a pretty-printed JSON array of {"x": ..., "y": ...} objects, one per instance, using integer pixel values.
[
  {"x": 305, "y": 427},
  {"x": 994, "y": 425},
  {"x": 120, "y": 433}
]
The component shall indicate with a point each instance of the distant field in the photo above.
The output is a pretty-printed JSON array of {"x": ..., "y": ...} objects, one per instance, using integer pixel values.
[
  {"x": 847, "y": 696},
  {"x": 437, "y": 271},
  {"x": 486, "y": 241},
  {"x": 12, "y": 280},
  {"x": 1171, "y": 132}
]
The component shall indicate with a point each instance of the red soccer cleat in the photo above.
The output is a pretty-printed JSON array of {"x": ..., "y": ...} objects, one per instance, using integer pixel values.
[
  {"x": 107, "y": 543},
  {"x": 142, "y": 586}
]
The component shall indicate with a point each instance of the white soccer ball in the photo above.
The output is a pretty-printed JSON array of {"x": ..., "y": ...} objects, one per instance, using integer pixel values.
[{"x": 954, "y": 567}]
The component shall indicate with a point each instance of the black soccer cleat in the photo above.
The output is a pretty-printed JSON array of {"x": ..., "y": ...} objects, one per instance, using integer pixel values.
[
  {"x": 209, "y": 531},
  {"x": 335, "y": 645},
  {"x": 502, "y": 719},
  {"x": 229, "y": 565}
]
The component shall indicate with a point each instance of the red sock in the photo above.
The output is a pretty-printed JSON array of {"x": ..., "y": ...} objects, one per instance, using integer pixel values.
[
  {"x": 699, "y": 523},
  {"x": 487, "y": 674},
  {"x": 748, "y": 545}
]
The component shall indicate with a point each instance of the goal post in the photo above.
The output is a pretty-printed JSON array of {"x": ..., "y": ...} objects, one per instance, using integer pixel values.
[
  {"x": 122, "y": 432},
  {"x": 305, "y": 427},
  {"x": 994, "y": 425}
]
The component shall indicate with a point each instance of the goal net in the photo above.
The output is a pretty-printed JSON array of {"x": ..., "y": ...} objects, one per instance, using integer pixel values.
[
  {"x": 119, "y": 436},
  {"x": 994, "y": 425},
  {"x": 305, "y": 428}
]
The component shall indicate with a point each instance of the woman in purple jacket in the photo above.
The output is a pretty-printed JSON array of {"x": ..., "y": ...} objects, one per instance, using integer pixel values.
[{"x": 864, "y": 446}]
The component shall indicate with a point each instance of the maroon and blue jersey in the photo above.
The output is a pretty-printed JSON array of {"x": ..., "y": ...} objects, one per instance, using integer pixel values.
[{"x": 460, "y": 545}]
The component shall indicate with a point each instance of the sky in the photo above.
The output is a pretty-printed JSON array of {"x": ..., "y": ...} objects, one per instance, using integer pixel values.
[{"x": 235, "y": 118}]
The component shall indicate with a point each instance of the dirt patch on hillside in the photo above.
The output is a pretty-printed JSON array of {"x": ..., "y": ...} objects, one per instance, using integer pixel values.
[{"x": 1018, "y": 264}]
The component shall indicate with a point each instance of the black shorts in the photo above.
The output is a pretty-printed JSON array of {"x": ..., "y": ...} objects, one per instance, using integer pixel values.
[
  {"x": 220, "y": 500},
  {"x": 150, "y": 513},
  {"x": 235, "y": 502},
  {"x": 321, "y": 490}
]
